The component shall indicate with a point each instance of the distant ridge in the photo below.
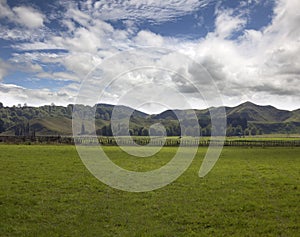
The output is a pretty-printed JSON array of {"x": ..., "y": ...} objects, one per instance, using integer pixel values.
[
  {"x": 246, "y": 118},
  {"x": 253, "y": 112}
]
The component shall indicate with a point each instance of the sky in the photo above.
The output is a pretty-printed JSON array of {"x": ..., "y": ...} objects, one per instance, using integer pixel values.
[{"x": 250, "y": 48}]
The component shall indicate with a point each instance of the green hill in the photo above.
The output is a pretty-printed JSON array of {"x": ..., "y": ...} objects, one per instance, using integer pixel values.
[
  {"x": 246, "y": 118},
  {"x": 294, "y": 117},
  {"x": 253, "y": 112}
]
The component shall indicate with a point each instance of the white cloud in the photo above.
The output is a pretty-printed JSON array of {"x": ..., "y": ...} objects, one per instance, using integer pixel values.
[
  {"x": 78, "y": 16},
  {"x": 261, "y": 65},
  {"x": 5, "y": 11},
  {"x": 59, "y": 76},
  {"x": 146, "y": 38},
  {"x": 19, "y": 33},
  {"x": 28, "y": 17},
  {"x": 22, "y": 15},
  {"x": 13, "y": 95},
  {"x": 226, "y": 23},
  {"x": 152, "y": 10},
  {"x": 80, "y": 63}
]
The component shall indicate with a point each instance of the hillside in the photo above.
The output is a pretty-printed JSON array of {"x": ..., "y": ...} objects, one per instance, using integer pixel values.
[
  {"x": 246, "y": 118},
  {"x": 253, "y": 112},
  {"x": 294, "y": 117}
]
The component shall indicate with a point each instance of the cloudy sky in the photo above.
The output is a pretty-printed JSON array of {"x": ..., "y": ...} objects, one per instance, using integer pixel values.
[{"x": 251, "y": 48}]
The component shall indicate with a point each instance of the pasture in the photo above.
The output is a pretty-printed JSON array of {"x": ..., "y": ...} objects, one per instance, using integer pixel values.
[{"x": 47, "y": 191}]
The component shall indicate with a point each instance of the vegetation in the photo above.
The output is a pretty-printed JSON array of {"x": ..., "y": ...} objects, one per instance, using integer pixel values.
[
  {"x": 245, "y": 119},
  {"x": 252, "y": 141},
  {"x": 47, "y": 191}
]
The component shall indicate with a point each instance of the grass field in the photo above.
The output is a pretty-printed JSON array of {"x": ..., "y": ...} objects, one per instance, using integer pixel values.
[{"x": 47, "y": 191}]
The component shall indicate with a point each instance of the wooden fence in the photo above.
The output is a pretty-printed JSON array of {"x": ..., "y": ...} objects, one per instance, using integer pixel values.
[{"x": 110, "y": 141}]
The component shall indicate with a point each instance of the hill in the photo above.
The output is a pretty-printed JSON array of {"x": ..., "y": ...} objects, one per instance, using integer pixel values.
[
  {"x": 244, "y": 119},
  {"x": 253, "y": 112}
]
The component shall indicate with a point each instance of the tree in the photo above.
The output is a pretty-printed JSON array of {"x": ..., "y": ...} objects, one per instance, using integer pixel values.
[
  {"x": 33, "y": 133},
  {"x": 239, "y": 130},
  {"x": 253, "y": 131},
  {"x": 145, "y": 132},
  {"x": 189, "y": 131},
  {"x": 230, "y": 131},
  {"x": 82, "y": 129},
  {"x": 27, "y": 129},
  {"x": 288, "y": 128},
  {"x": 206, "y": 131},
  {"x": 106, "y": 130},
  {"x": 152, "y": 131},
  {"x": 1, "y": 126},
  {"x": 106, "y": 116},
  {"x": 70, "y": 109}
]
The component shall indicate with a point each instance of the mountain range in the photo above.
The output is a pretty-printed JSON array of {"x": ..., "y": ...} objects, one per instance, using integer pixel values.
[{"x": 244, "y": 119}]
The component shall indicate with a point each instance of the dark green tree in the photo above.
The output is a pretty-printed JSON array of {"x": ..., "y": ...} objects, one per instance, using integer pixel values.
[
  {"x": 2, "y": 129},
  {"x": 145, "y": 132},
  {"x": 82, "y": 129}
]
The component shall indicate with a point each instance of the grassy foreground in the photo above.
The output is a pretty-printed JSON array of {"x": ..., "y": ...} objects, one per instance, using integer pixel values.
[{"x": 47, "y": 191}]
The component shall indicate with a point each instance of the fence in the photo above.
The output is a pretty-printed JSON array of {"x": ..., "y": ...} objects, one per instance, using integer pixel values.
[{"x": 125, "y": 141}]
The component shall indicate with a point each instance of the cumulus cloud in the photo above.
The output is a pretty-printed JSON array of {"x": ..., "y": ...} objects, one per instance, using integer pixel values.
[
  {"x": 22, "y": 15},
  {"x": 226, "y": 23},
  {"x": 260, "y": 65},
  {"x": 146, "y": 38},
  {"x": 28, "y": 17},
  {"x": 5, "y": 11},
  {"x": 12, "y": 95}
]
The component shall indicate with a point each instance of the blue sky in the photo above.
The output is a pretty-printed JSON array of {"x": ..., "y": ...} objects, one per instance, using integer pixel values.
[{"x": 250, "y": 47}]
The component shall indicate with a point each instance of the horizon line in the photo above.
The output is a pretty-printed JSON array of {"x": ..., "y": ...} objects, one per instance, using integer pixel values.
[{"x": 19, "y": 105}]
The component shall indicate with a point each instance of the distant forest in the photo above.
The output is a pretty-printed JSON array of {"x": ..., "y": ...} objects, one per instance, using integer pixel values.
[{"x": 242, "y": 120}]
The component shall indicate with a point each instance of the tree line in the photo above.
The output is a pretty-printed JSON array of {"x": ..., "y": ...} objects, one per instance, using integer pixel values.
[{"x": 18, "y": 120}]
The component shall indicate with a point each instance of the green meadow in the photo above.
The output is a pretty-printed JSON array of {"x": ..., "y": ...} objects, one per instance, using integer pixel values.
[{"x": 47, "y": 191}]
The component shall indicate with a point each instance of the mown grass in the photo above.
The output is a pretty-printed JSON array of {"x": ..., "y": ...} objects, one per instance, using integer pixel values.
[{"x": 47, "y": 191}]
